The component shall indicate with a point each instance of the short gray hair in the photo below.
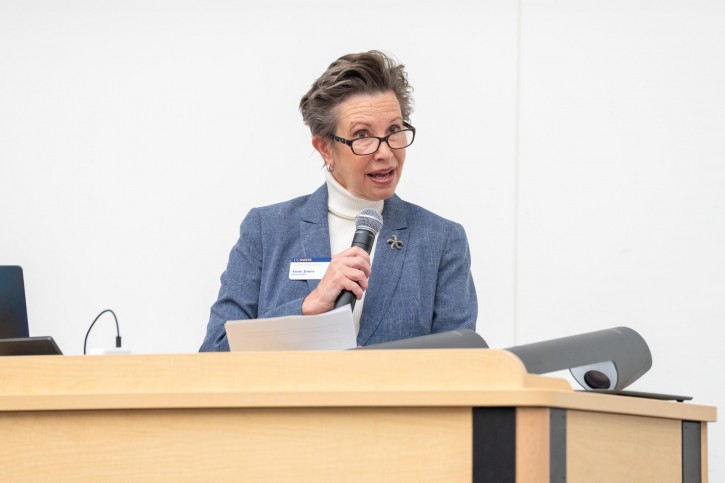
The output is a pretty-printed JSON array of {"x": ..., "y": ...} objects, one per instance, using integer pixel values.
[{"x": 370, "y": 72}]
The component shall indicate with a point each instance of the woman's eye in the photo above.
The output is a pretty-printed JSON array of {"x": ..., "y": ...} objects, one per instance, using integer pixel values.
[
  {"x": 394, "y": 129},
  {"x": 361, "y": 134}
]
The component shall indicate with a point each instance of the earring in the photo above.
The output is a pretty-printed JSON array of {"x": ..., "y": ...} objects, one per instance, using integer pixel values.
[{"x": 330, "y": 168}]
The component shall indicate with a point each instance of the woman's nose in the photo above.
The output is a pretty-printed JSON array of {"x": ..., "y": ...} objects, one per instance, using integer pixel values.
[{"x": 383, "y": 151}]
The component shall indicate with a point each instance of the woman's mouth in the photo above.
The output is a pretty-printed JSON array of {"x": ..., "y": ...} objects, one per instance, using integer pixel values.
[{"x": 384, "y": 176}]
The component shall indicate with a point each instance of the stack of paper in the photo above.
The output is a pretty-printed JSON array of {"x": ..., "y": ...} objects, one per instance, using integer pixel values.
[{"x": 334, "y": 330}]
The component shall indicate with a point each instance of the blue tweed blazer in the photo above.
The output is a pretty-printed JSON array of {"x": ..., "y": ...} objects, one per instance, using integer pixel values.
[{"x": 423, "y": 288}]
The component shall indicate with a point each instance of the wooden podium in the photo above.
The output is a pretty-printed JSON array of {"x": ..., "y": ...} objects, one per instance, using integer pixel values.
[{"x": 370, "y": 416}]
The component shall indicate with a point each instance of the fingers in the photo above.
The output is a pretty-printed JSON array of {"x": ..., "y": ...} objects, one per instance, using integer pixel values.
[
  {"x": 353, "y": 257},
  {"x": 350, "y": 279}
]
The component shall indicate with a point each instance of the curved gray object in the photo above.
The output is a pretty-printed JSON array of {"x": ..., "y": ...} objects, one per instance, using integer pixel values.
[
  {"x": 453, "y": 339},
  {"x": 606, "y": 359}
]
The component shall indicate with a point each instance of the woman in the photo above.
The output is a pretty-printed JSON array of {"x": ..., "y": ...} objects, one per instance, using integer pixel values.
[{"x": 358, "y": 112}]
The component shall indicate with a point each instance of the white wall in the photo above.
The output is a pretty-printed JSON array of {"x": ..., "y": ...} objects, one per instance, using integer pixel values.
[{"x": 584, "y": 139}]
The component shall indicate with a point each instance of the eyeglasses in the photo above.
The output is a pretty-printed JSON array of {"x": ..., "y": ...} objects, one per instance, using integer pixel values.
[{"x": 368, "y": 145}]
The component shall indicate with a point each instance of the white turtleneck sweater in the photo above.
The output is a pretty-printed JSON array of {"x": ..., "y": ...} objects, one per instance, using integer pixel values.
[{"x": 342, "y": 208}]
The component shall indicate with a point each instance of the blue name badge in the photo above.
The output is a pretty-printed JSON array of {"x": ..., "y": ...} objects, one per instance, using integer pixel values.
[{"x": 308, "y": 268}]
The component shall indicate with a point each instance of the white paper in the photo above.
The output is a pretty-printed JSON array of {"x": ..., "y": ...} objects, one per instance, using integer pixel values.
[{"x": 334, "y": 330}]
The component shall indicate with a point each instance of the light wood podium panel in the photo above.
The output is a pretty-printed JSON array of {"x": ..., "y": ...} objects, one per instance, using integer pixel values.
[{"x": 410, "y": 415}]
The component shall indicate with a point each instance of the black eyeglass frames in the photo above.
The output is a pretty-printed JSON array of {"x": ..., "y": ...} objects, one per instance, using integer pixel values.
[{"x": 368, "y": 145}]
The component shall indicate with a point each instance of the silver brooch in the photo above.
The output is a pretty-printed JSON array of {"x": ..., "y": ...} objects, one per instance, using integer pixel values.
[{"x": 394, "y": 243}]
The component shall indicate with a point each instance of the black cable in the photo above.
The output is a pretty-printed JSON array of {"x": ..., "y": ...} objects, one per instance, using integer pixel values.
[{"x": 118, "y": 331}]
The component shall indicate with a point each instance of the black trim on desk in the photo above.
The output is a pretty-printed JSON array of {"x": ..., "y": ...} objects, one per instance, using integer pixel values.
[
  {"x": 494, "y": 445},
  {"x": 691, "y": 452},
  {"x": 557, "y": 445}
]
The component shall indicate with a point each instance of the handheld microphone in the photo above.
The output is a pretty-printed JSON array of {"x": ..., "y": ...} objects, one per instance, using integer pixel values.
[{"x": 367, "y": 225}]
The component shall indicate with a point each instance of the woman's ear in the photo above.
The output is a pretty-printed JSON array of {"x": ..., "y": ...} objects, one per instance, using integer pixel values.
[{"x": 322, "y": 145}]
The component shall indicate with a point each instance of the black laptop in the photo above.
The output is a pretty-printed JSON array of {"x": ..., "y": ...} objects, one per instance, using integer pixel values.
[{"x": 14, "y": 333}]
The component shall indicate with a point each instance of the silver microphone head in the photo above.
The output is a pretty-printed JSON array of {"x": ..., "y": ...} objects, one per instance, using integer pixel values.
[{"x": 370, "y": 220}]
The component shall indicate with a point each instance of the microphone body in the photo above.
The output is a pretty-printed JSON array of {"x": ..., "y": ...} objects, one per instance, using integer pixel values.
[{"x": 368, "y": 223}]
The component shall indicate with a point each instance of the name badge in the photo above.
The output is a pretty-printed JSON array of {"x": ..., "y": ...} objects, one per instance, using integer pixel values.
[{"x": 308, "y": 268}]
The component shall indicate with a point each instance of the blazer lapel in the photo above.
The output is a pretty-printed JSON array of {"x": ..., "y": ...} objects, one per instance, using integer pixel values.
[
  {"x": 387, "y": 267},
  {"x": 314, "y": 230}
]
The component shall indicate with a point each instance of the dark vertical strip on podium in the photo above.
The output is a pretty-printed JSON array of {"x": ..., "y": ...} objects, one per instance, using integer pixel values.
[
  {"x": 557, "y": 446},
  {"x": 691, "y": 452},
  {"x": 494, "y": 445}
]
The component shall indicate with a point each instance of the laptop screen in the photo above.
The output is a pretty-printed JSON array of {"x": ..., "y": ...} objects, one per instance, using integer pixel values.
[{"x": 13, "y": 311}]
